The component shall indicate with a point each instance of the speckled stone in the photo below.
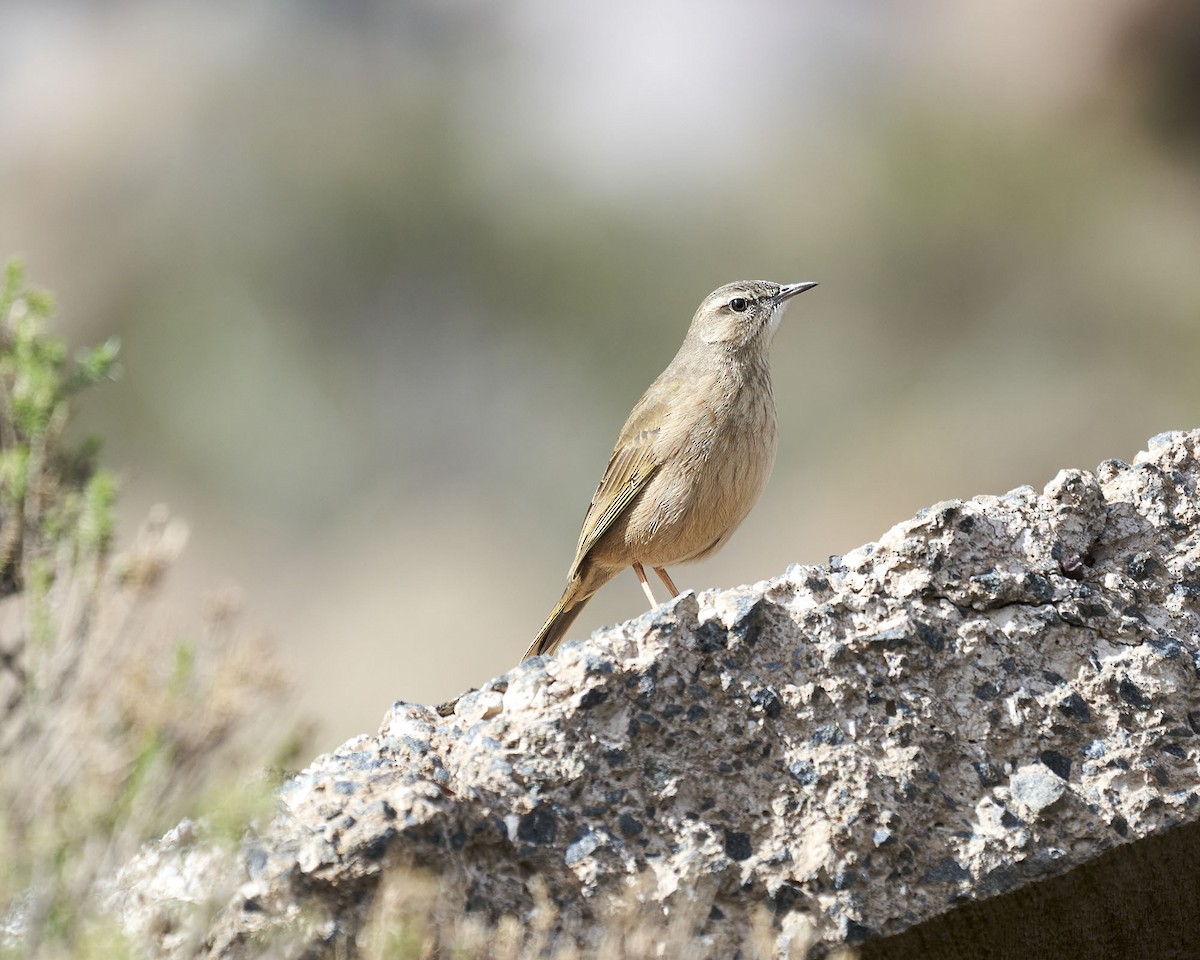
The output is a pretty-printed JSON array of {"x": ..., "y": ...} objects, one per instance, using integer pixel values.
[{"x": 994, "y": 692}]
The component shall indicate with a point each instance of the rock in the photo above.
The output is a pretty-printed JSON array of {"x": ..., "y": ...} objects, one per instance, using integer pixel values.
[
  {"x": 172, "y": 891},
  {"x": 996, "y": 692},
  {"x": 1034, "y": 788}
]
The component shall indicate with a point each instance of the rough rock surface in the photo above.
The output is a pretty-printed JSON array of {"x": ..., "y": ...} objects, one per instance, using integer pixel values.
[{"x": 997, "y": 691}]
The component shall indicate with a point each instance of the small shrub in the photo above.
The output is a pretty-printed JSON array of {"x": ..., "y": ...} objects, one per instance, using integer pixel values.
[{"x": 112, "y": 726}]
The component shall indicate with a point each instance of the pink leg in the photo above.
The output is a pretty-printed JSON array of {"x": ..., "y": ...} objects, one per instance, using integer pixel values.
[
  {"x": 665, "y": 578},
  {"x": 641, "y": 575}
]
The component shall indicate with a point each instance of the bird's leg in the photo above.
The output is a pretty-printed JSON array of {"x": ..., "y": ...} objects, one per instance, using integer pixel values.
[
  {"x": 641, "y": 575},
  {"x": 663, "y": 576}
]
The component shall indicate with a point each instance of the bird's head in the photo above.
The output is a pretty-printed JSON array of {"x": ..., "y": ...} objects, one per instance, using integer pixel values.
[{"x": 742, "y": 313}]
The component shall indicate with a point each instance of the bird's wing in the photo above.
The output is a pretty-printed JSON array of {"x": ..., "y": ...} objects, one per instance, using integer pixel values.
[{"x": 636, "y": 458}]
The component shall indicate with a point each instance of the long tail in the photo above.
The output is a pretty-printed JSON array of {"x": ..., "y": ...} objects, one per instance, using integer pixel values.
[{"x": 557, "y": 624}]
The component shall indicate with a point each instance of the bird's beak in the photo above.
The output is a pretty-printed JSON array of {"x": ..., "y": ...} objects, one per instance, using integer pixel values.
[{"x": 791, "y": 289}]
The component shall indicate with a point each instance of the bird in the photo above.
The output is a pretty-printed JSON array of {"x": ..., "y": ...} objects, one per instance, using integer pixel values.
[{"x": 693, "y": 457}]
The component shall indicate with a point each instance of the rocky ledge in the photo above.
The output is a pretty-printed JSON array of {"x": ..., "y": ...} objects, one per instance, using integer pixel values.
[{"x": 996, "y": 692}]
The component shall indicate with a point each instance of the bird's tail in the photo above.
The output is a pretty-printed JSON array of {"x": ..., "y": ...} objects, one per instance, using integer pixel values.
[{"x": 559, "y": 621}]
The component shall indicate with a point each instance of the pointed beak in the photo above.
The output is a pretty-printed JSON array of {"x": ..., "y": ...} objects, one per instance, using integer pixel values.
[{"x": 791, "y": 289}]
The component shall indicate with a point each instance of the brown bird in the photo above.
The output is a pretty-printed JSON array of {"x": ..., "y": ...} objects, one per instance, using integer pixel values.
[{"x": 692, "y": 458}]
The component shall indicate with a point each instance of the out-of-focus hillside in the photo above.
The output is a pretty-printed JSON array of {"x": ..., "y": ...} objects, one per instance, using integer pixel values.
[{"x": 388, "y": 278}]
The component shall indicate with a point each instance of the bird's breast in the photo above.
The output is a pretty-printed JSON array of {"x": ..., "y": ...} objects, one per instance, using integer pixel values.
[{"x": 717, "y": 470}]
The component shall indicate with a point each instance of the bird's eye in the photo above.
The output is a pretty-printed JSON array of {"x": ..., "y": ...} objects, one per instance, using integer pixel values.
[{"x": 739, "y": 304}]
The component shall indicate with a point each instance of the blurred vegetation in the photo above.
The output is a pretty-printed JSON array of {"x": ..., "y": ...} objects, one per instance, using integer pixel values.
[
  {"x": 112, "y": 726},
  {"x": 410, "y": 921},
  {"x": 51, "y": 495}
]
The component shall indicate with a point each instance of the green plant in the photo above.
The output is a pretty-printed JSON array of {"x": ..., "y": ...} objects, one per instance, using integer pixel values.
[{"x": 112, "y": 726}]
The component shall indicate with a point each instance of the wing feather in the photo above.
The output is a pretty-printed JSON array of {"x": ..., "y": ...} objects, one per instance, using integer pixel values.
[{"x": 638, "y": 455}]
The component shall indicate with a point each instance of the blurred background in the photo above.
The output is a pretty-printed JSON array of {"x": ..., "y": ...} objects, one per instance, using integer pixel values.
[{"x": 388, "y": 278}]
